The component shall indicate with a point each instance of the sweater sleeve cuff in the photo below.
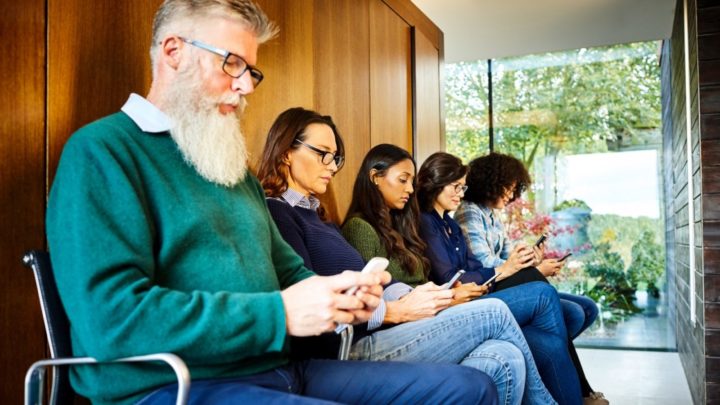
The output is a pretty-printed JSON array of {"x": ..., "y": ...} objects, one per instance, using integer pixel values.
[
  {"x": 396, "y": 291},
  {"x": 378, "y": 316}
]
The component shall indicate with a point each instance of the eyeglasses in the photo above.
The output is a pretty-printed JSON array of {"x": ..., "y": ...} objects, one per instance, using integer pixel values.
[
  {"x": 325, "y": 157},
  {"x": 233, "y": 65},
  {"x": 458, "y": 187}
]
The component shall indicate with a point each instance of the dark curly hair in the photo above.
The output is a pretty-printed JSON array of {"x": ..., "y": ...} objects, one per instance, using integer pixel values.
[
  {"x": 489, "y": 176},
  {"x": 398, "y": 229},
  {"x": 438, "y": 170}
]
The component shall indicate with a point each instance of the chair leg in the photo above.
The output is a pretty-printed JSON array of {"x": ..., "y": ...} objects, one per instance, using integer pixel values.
[{"x": 346, "y": 337}]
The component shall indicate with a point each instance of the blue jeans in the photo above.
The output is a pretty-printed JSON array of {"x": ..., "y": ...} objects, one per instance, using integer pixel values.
[
  {"x": 480, "y": 334},
  {"x": 579, "y": 313},
  {"x": 536, "y": 308},
  {"x": 349, "y": 382}
]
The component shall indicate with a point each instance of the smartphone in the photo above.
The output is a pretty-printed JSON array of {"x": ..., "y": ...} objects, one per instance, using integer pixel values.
[
  {"x": 375, "y": 264},
  {"x": 562, "y": 259},
  {"x": 488, "y": 281},
  {"x": 540, "y": 240},
  {"x": 452, "y": 281}
]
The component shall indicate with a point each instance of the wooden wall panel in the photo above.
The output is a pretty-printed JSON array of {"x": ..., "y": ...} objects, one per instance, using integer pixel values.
[
  {"x": 287, "y": 62},
  {"x": 91, "y": 72},
  {"x": 342, "y": 88},
  {"x": 22, "y": 181},
  {"x": 428, "y": 131},
  {"x": 390, "y": 78}
]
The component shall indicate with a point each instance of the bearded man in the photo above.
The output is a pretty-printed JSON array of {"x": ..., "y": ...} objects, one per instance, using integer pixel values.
[{"x": 161, "y": 242}]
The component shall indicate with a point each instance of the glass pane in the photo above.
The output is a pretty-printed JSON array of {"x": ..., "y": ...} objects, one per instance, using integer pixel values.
[
  {"x": 587, "y": 125},
  {"x": 466, "y": 109}
]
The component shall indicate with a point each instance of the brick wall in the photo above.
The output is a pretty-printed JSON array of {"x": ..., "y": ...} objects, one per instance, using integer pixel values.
[{"x": 699, "y": 344}]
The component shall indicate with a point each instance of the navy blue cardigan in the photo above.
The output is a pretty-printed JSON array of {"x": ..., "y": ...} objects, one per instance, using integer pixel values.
[
  {"x": 448, "y": 251},
  {"x": 325, "y": 252}
]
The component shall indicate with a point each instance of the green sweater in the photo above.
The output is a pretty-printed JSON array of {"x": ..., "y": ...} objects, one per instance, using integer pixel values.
[
  {"x": 365, "y": 239},
  {"x": 150, "y": 257}
]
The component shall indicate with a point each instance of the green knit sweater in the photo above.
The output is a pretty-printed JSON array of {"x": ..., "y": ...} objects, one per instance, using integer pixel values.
[
  {"x": 150, "y": 257},
  {"x": 363, "y": 237}
]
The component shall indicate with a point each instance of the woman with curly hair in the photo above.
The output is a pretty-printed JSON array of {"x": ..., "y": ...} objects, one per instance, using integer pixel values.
[
  {"x": 493, "y": 182},
  {"x": 303, "y": 152},
  {"x": 383, "y": 221}
]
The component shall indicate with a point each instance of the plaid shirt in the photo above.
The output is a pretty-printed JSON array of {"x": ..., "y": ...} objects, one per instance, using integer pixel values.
[{"x": 484, "y": 233}]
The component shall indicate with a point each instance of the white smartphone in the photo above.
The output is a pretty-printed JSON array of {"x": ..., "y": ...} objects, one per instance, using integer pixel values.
[
  {"x": 452, "y": 281},
  {"x": 488, "y": 281},
  {"x": 375, "y": 264}
]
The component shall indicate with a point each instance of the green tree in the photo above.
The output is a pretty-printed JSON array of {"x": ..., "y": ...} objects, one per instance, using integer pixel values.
[
  {"x": 648, "y": 263},
  {"x": 581, "y": 101}
]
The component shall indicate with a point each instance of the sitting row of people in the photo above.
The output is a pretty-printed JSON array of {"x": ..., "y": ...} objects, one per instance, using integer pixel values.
[
  {"x": 418, "y": 320},
  {"x": 162, "y": 241}
]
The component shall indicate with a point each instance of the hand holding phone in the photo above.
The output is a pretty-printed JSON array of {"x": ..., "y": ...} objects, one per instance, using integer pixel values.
[
  {"x": 452, "y": 281},
  {"x": 562, "y": 259},
  {"x": 488, "y": 281},
  {"x": 540, "y": 240},
  {"x": 375, "y": 264}
]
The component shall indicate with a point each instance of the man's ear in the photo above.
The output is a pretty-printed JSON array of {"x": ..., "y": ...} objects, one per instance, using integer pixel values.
[{"x": 170, "y": 51}]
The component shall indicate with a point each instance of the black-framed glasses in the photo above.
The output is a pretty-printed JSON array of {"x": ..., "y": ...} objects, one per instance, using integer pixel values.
[
  {"x": 458, "y": 187},
  {"x": 325, "y": 157},
  {"x": 233, "y": 65}
]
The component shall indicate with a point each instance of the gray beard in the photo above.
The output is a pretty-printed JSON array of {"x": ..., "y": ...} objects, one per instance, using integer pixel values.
[{"x": 211, "y": 142}]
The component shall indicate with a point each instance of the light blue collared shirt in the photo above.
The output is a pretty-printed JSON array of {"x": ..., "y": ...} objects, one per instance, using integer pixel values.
[
  {"x": 146, "y": 115},
  {"x": 298, "y": 199}
]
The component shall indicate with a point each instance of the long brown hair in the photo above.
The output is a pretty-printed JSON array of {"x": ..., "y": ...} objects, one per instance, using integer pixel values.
[
  {"x": 288, "y": 127},
  {"x": 398, "y": 229}
]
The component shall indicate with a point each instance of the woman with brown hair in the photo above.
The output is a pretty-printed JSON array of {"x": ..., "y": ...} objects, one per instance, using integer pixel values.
[
  {"x": 383, "y": 221},
  {"x": 302, "y": 153}
]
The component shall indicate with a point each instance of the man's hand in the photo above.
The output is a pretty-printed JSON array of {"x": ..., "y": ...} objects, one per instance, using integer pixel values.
[
  {"x": 550, "y": 267},
  {"x": 315, "y": 305},
  {"x": 467, "y": 292},
  {"x": 423, "y": 302}
]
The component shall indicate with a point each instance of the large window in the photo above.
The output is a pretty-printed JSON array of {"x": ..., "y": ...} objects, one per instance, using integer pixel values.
[{"x": 586, "y": 123}]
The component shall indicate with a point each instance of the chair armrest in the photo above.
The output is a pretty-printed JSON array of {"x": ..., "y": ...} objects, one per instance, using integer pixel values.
[{"x": 178, "y": 365}]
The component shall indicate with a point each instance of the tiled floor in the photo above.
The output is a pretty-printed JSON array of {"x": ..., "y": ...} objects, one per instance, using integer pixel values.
[{"x": 629, "y": 377}]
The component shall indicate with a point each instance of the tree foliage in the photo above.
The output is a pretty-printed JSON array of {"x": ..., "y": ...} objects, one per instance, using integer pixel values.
[{"x": 581, "y": 101}]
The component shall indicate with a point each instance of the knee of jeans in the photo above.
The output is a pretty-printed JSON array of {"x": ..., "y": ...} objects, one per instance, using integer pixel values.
[{"x": 501, "y": 360}]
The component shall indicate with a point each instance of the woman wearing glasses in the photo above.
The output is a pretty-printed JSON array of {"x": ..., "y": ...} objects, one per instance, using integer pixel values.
[
  {"x": 302, "y": 153},
  {"x": 494, "y": 181},
  {"x": 383, "y": 221}
]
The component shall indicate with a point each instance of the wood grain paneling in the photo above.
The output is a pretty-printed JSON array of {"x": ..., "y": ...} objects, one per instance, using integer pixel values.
[
  {"x": 91, "y": 72},
  {"x": 390, "y": 78},
  {"x": 710, "y": 99},
  {"x": 710, "y": 126},
  {"x": 415, "y": 18},
  {"x": 709, "y": 20},
  {"x": 342, "y": 87},
  {"x": 428, "y": 134},
  {"x": 22, "y": 181},
  {"x": 287, "y": 62},
  {"x": 707, "y": 46}
]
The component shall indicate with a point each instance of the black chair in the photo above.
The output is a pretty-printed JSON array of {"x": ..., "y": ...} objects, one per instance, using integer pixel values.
[{"x": 57, "y": 328}]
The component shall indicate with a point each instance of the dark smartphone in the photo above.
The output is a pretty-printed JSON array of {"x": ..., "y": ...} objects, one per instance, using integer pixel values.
[
  {"x": 562, "y": 259},
  {"x": 541, "y": 240},
  {"x": 452, "y": 281}
]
